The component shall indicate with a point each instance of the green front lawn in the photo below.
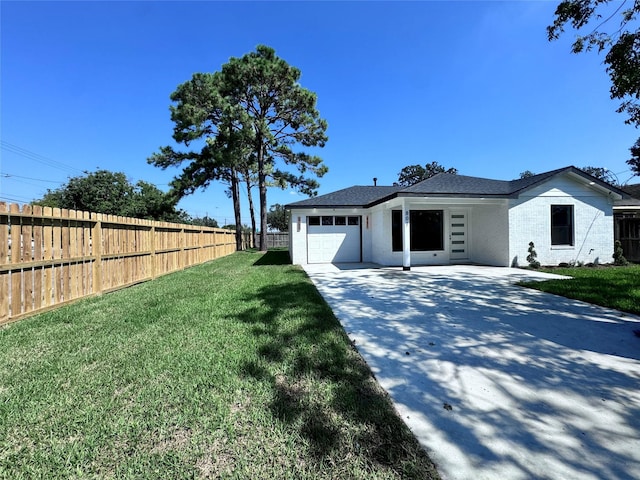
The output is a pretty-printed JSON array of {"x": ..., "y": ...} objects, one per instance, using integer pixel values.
[
  {"x": 614, "y": 287},
  {"x": 232, "y": 369}
]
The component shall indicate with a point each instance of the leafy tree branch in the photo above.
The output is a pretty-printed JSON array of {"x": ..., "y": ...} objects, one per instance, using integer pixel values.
[{"x": 621, "y": 45}]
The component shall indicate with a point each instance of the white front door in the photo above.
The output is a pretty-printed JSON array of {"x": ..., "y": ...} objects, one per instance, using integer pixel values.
[{"x": 458, "y": 243}]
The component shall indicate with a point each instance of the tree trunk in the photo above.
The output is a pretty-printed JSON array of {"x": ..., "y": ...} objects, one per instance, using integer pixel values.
[
  {"x": 262, "y": 187},
  {"x": 235, "y": 194},
  {"x": 251, "y": 210}
]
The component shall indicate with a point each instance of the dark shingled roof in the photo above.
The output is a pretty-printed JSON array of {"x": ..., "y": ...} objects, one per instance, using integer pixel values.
[
  {"x": 633, "y": 190},
  {"x": 359, "y": 196},
  {"x": 461, "y": 185},
  {"x": 442, "y": 184},
  {"x": 451, "y": 184},
  {"x": 634, "y": 193}
]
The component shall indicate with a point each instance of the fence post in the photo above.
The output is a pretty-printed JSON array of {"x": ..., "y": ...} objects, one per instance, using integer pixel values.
[
  {"x": 4, "y": 254},
  {"x": 16, "y": 258},
  {"x": 96, "y": 245},
  {"x": 183, "y": 251}
]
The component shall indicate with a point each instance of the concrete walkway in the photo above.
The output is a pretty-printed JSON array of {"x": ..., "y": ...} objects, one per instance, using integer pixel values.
[{"x": 496, "y": 381}]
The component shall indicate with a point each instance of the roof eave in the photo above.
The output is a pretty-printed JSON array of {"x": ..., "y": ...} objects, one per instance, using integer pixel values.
[
  {"x": 306, "y": 207},
  {"x": 402, "y": 194},
  {"x": 593, "y": 182},
  {"x": 626, "y": 207},
  {"x": 598, "y": 184},
  {"x": 456, "y": 195}
]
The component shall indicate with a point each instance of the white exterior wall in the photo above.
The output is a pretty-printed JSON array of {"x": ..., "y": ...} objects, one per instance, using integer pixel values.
[
  {"x": 298, "y": 237},
  {"x": 489, "y": 229},
  {"x": 376, "y": 233},
  {"x": 381, "y": 236},
  {"x": 367, "y": 236},
  {"x": 530, "y": 221}
]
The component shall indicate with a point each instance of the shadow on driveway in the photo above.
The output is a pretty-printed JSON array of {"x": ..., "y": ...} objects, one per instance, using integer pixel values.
[{"x": 495, "y": 380}]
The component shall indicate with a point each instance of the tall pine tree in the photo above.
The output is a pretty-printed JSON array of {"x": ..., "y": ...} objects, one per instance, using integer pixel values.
[{"x": 250, "y": 114}]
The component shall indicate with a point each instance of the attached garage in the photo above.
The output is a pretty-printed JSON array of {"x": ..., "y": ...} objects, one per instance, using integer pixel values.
[{"x": 334, "y": 239}]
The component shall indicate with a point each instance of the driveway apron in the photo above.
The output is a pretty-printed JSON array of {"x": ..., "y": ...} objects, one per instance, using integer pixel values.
[{"x": 496, "y": 381}]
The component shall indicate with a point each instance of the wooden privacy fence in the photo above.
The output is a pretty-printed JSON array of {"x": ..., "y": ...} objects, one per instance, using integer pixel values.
[
  {"x": 277, "y": 239},
  {"x": 49, "y": 257}
]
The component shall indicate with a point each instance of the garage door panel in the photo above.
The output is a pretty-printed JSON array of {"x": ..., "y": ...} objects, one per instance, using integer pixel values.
[
  {"x": 348, "y": 250},
  {"x": 333, "y": 243}
]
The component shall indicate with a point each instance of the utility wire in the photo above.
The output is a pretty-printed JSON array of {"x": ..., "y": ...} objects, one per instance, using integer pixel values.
[
  {"x": 60, "y": 182},
  {"x": 27, "y": 183},
  {"x": 16, "y": 198},
  {"x": 36, "y": 157},
  {"x": 12, "y": 175}
]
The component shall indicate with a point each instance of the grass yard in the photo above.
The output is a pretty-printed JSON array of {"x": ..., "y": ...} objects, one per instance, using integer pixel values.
[
  {"x": 614, "y": 287},
  {"x": 232, "y": 369}
]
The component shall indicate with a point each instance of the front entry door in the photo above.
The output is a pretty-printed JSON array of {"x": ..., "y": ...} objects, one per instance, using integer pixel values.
[{"x": 458, "y": 241}]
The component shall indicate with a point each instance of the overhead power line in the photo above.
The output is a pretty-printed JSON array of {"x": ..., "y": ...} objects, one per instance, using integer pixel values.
[
  {"x": 26, "y": 183},
  {"x": 36, "y": 157},
  {"x": 11, "y": 175},
  {"x": 15, "y": 198}
]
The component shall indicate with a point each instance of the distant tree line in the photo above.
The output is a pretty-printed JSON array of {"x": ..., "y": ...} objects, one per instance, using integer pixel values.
[
  {"x": 112, "y": 193},
  {"x": 412, "y": 174},
  {"x": 278, "y": 218}
]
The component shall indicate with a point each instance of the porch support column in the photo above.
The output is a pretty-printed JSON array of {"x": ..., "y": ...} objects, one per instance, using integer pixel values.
[{"x": 406, "y": 236}]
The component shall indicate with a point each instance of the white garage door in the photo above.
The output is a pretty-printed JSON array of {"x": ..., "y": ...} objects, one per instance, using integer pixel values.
[{"x": 333, "y": 239}]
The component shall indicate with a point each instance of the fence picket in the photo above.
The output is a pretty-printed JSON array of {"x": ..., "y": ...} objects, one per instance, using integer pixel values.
[
  {"x": 16, "y": 257},
  {"x": 47, "y": 273},
  {"x": 96, "y": 252},
  {"x": 57, "y": 255},
  {"x": 73, "y": 253},
  {"x": 87, "y": 264},
  {"x": 27, "y": 257},
  {"x": 37, "y": 257}
]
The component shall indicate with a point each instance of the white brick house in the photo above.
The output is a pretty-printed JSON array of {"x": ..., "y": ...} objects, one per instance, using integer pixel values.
[{"x": 449, "y": 219}]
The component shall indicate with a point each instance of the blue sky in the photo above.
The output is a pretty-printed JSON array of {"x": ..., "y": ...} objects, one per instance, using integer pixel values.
[{"x": 472, "y": 85}]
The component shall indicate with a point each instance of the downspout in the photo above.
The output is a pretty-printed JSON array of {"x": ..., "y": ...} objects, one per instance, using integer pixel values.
[{"x": 406, "y": 236}]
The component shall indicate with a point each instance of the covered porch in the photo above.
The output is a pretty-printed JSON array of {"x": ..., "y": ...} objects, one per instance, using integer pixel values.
[{"x": 417, "y": 231}]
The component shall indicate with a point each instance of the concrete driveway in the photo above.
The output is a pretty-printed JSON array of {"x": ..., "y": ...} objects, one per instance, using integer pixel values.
[{"x": 496, "y": 381}]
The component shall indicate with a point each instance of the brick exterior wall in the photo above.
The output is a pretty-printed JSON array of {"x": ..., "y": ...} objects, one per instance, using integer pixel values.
[{"x": 530, "y": 221}]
